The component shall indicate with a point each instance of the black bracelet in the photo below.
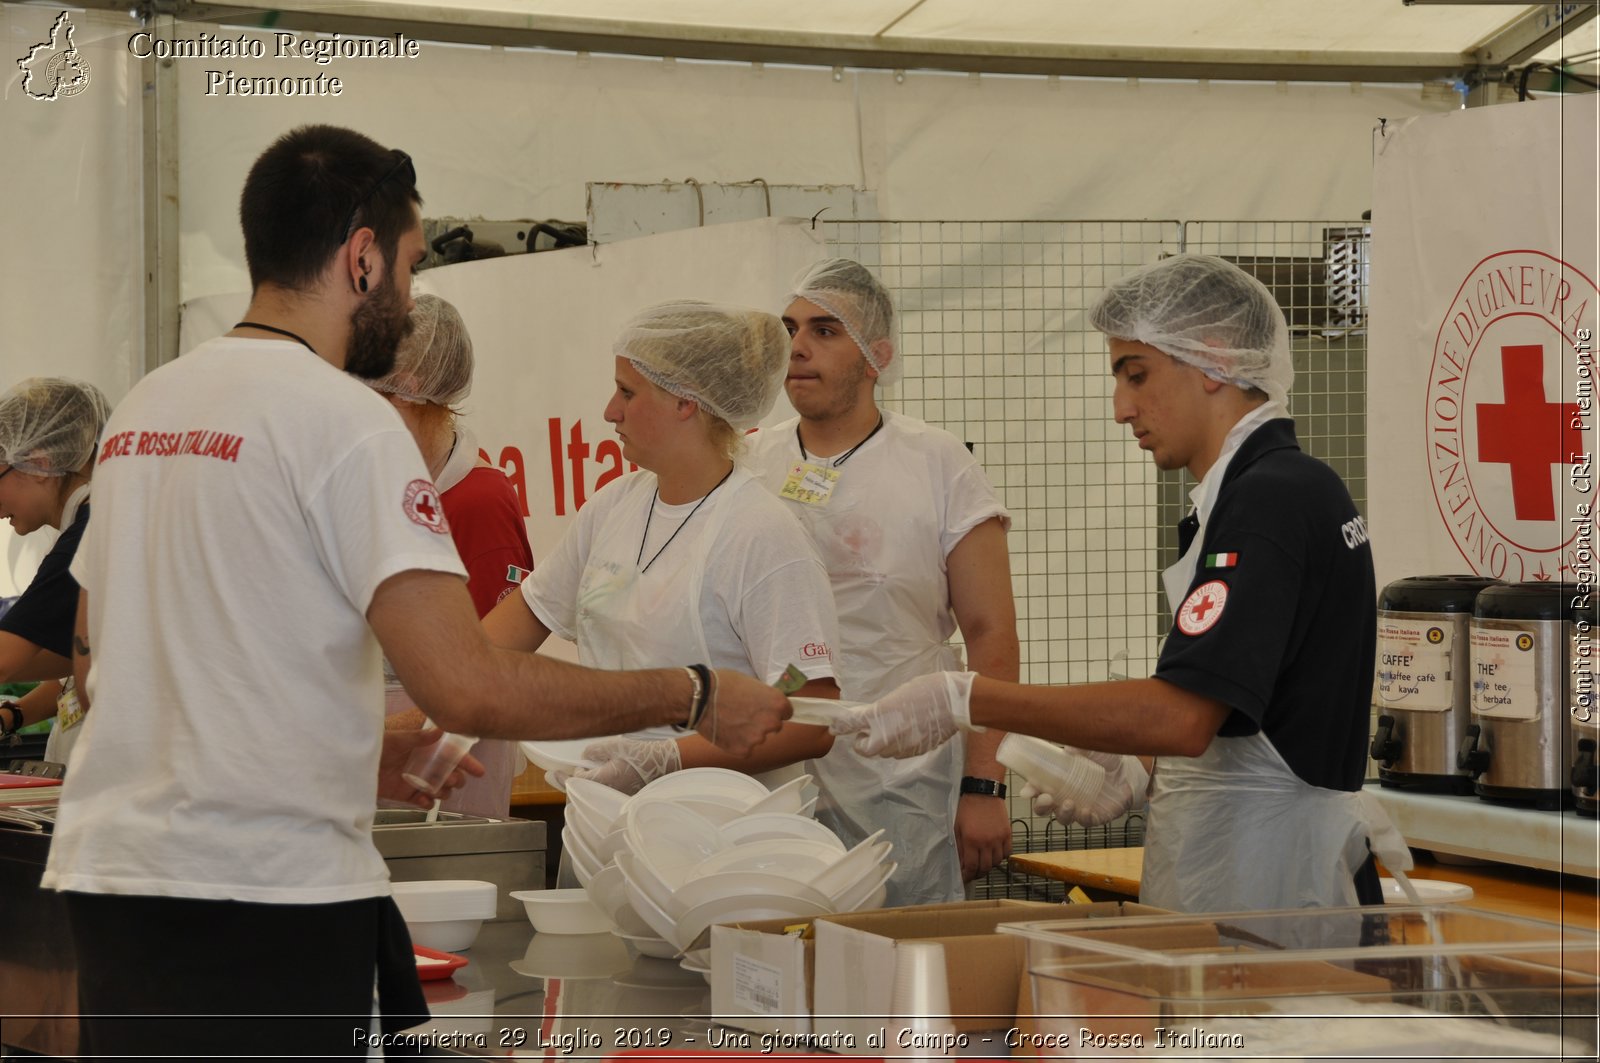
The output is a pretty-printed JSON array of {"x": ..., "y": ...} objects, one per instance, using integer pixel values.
[
  {"x": 984, "y": 787},
  {"x": 16, "y": 718}
]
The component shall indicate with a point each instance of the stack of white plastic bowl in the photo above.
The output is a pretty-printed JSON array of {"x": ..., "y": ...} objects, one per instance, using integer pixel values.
[
  {"x": 707, "y": 845},
  {"x": 445, "y": 914}
]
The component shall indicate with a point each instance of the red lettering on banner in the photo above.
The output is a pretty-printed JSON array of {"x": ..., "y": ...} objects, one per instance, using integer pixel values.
[
  {"x": 569, "y": 451},
  {"x": 610, "y": 451},
  {"x": 511, "y": 464}
]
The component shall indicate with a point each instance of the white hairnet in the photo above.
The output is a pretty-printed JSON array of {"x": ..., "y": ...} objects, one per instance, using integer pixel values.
[
  {"x": 49, "y": 426},
  {"x": 729, "y": 359},
  {"x": 434, "y": 363},
  {"x": 850, "y": 292},
  {"x": 1207, "y": 313}
]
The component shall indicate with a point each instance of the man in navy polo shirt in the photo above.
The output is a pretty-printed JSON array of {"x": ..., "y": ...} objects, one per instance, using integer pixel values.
[{"x": 1257, "y": 713}]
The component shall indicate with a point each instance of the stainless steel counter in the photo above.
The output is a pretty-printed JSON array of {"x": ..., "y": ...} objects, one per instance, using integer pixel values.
[{"x": 581, "y": 997}]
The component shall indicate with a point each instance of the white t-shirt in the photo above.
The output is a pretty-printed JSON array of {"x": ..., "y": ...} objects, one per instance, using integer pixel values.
[
  {"x": 763, "y": 600},
  {"x": 249, "y": 499},
  {"x": 901, "y": 504}
]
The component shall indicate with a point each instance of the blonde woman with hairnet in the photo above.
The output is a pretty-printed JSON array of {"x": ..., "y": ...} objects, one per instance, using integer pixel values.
[
  {"x": 432, "y": 375},
  {"x": 687, "y": 559},
  {"x": 1256, "y": 716},
  {"x": 49, "y": 429}
]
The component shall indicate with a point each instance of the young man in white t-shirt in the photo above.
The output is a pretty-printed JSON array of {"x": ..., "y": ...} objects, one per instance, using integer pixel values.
[
  {"x": 914, "y": 541},
  {"x": 263, "y": 525}
]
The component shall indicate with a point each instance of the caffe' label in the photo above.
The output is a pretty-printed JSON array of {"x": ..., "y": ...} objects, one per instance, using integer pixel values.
[{"x": 1414, "y": 660}]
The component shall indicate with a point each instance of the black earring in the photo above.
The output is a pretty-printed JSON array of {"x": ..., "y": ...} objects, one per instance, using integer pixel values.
[{"x": 361, "y": 282}]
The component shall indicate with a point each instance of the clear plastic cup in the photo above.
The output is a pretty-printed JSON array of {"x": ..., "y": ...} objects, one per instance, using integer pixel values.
[
  {"x": 429, "y": 767},
  {"x": 1069, "y": 776}
]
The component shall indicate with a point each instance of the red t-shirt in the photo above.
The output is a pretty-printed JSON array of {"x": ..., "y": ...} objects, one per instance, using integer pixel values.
[{"x": 486, "y": 524}]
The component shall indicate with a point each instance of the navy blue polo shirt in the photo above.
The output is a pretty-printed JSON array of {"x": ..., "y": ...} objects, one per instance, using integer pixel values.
[
  {"x": 1280, "y": 623},
  {"x": 47, "y": 610}
]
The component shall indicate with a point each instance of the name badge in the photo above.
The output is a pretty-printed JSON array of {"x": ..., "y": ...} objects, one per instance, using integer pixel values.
[
  {"x": 69, "y": 710},
  {"x": 810, "y": 484}
]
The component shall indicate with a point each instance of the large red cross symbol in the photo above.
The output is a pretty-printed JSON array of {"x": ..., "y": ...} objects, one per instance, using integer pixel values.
[
  {"x": 1528, "y": 432},
  {"x": 1202, "y": 607},
  {"x": 425, "y": 507}
]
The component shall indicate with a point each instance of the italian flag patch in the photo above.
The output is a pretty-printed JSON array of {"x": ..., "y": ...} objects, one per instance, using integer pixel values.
[{"x": 1221, "y": 560}]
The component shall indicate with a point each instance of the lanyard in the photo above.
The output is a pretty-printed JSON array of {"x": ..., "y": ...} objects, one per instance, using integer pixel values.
[
  {"x": 651, "y": 512},
  {"x": 279, "y": 331},
  {"x": 842, "y": 458}
]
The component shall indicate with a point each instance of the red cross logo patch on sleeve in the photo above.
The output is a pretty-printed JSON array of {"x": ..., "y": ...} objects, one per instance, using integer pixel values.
[
  {"x": 1203, "y": 608},
  {"x": 422, "y": 506}
]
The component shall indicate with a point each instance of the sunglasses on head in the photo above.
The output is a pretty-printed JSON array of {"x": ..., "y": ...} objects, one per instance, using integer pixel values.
[{"x": 403, "y": 169}]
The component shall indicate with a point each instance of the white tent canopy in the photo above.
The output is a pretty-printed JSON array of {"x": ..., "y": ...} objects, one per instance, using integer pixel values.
[{"x": 1374, "y": 40}]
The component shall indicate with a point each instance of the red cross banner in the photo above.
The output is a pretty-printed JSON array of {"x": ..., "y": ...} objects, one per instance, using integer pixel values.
[{"x": 1481, "y": 373}]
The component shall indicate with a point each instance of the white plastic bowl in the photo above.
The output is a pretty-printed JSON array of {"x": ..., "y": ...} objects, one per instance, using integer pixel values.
[
  {"x": 1429, "y": 891},
  {"x": 854, "y": 865},
  {"x": 800, "y": 859},
  {"x": 445, "y": 914},
  {"x": 867, "y": 893},
  {"x": 785, "y": 798},
  {"x": 562, "y": 912},
  {"x": 671, "y": 839},
  {"x": 640, "y": 901},
  {"x": 573, "y": 956},
  {"x": 722, "y": 785},
  {"x": 602, "y": 801},
  {"x": 587, "y": 824},
  {"x": 736, "y": 884},
  {"x": 742, "y": 908},
  {"x": 769, "y": 825},
  {"x": 660, "y": 948}
]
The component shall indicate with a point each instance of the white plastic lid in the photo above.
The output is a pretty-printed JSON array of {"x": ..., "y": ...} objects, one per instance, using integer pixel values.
[{"x": 444, "y": 899}]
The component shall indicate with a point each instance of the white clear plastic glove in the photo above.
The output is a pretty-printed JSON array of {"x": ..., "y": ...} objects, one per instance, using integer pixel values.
[
  {"x": 626, "y": 764},
  {"x": 914, "y": 718},
  {"x": 1123, "y": 791}
]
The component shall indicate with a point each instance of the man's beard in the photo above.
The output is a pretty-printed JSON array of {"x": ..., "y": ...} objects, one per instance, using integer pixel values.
[{"x": 376, "y": 329}]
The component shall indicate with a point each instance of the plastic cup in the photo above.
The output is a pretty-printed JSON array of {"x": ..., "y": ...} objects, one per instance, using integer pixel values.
[
  {"x": 429, "y": 767},
  {"x": 921, "y": 987},
  {"x": 1069, "y": 776}
]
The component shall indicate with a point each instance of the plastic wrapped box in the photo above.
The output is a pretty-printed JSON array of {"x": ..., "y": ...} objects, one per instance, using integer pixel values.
[{"x": 1419, "y": 983}]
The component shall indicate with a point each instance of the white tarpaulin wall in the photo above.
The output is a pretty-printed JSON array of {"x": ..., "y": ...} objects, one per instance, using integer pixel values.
[
  {"x": 502, "y": 133},
  {"x": 1483, "y": 308},
  {"x": 542, "y": 328}
]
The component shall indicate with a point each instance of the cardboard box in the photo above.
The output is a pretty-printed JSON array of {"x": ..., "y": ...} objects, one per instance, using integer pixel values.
[{"x": 832, "y": 981}]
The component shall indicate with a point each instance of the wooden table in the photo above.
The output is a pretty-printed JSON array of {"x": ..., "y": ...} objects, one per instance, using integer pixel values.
[{"x": 1570, "y": 899}]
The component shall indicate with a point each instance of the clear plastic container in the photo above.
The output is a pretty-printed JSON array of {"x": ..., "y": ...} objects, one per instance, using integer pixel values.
[
  {"x": 1333, "y": 983},
  {"x": 429, "y": 766}
]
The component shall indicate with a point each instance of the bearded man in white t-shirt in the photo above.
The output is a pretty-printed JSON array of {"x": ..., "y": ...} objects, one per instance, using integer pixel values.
[{"x": 264, "y": 533}]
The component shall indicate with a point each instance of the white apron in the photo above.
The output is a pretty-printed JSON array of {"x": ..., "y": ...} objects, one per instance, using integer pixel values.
[
  {"x": 912, "y": 800},
  {"x": 1236, "y": 829},
  {"x": 628, "y": 619}
]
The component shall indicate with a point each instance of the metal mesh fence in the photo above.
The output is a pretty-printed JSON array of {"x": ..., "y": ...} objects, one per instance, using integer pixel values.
[{"x": 997, "y": 351}]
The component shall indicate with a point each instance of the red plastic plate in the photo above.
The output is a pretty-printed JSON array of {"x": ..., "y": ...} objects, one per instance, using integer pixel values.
[
  {"x": 12, "y": 781},
  {"x": 433, "y": 964}
]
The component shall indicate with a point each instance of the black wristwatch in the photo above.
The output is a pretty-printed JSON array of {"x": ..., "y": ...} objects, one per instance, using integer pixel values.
[
  {"x": 11, "y": 728},
  {"x": 986, "y": 787}
]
